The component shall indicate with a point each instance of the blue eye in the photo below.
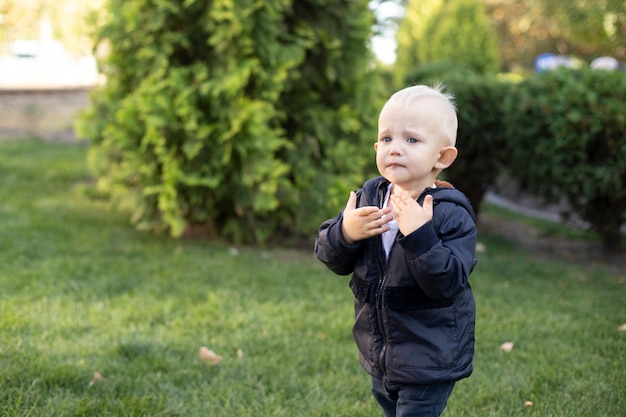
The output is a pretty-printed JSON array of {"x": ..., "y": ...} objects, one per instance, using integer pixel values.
[
  {"x": 412, "y": 140},
  {"x": 386, "y": 139}
]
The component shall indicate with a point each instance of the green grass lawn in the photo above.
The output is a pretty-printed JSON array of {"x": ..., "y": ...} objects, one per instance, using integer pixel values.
[{"x": 82, "y": 292}]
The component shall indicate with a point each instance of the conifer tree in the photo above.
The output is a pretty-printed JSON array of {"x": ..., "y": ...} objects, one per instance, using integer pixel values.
[
  {"x": 454, "y": 31},
  {"x": 411, "y": 35},
  {"x": 233, "y": 118}
]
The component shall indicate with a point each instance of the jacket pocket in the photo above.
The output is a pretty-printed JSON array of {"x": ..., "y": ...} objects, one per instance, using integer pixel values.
[
  {"x": 412, "y": 299},
  {"x": 360, "y": 289}
]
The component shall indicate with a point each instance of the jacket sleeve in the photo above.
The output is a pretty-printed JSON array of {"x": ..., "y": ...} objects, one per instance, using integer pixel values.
[
  {"x": 333, "y": 250},
  {"x": 441, "y": 254}
]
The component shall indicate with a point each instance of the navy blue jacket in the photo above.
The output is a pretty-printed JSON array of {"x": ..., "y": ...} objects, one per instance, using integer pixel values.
[{"x": 415, "y": 311}]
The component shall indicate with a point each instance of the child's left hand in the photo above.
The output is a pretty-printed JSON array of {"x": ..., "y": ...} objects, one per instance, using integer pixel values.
[{"x": 409, "y": 214}]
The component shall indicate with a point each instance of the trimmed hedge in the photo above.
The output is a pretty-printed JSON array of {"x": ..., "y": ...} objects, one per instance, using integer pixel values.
[{"x": 568, "y": 143}]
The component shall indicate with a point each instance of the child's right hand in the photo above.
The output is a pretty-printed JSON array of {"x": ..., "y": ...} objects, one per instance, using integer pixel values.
[{"x": 363, "y": 222}]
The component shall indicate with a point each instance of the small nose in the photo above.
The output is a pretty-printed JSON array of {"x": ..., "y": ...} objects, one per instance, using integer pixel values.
[{"x": 395, "y": 147}]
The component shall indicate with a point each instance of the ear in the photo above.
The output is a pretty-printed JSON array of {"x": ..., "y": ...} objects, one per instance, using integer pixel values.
[
  {"x": 375, "y": 146},
  {"x": 447, "y": 156}
]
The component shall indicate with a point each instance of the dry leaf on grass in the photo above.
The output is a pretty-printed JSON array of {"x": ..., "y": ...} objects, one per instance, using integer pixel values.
[
  {"x": 239, "y": 353},
  {"x": 528, "y": 404},
  {"x": 507, "y": 346},
  {"x": 622, "y": 328},
  {"x": 97, "y": 376},
  {"x": 209, "y": 356}
]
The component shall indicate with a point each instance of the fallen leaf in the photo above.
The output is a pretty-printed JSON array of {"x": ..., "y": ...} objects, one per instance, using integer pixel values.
[
  {"x": 209, "y": 356},
  {"x": 480, "y": 247},
  {"x": 507, "y": 346},
  {"x": 97, "y": 376},
  {"x": 622, "y": 328},
  {"x": 239, "y": 353},
  {"x": 528, "y": 404}
]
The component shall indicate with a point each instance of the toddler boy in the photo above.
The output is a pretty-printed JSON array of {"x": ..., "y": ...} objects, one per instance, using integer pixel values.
[{"x": 409, "y": 242}]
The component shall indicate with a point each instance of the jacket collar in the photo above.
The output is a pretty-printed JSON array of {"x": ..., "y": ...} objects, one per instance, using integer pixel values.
[{"x": 383, "y": 183}]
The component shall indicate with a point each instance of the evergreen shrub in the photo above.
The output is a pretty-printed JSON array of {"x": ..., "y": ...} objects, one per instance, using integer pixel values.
[
  {"x": 568, "y": 129},
  {"x": 245, "y": 120},
  {"x": 457, "y": 32}
]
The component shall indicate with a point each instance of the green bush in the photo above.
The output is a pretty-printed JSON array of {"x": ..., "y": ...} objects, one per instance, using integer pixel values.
[
  {"x": 569, "y": 133},
  {"x": 233, "y": 118},
  {"x": 482, "y": 144},
  {"x": 437, "y": 71}
]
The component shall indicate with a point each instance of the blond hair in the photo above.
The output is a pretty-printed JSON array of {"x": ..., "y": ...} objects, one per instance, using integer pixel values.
[{"x": 446, "y": 106}]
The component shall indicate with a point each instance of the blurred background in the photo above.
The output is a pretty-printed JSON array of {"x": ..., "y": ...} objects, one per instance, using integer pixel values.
[
  {"x": 48, "y": 49},
  {"x": 309, "y": 75},
  {"x": 47, "y": 65},
  {"x": 47, "y": 43}
]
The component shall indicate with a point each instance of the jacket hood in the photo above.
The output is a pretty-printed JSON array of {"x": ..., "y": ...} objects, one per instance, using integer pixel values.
[{"x": 446, "y": 192}]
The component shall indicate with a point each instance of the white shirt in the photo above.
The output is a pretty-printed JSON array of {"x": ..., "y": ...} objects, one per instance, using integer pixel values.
[{"x": 390, "y": 235}]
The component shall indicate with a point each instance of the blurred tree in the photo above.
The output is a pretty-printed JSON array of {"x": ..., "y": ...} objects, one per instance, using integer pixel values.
[
  {"x": 69, "y": 21},
  {"x": 241, "y": 119},
  {"x": 19, "y": 18},
  {"x": 526, "y": 28},
  {"x": 410, "y": 36},
  {"x": 524, "y": 31},
  {"x": 460, "y": 32},
  {"x": 456, "y": 31},
  {"x": 584, "y": 28},
  {"x": 591, "y": 28}
]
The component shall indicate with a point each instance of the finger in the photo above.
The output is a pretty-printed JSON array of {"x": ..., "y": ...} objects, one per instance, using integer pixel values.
[
  {"x": 378, "y": 230},
  {"x": 377, "y": 221},
  {"x": 371, "y": 212},
  {"x": 374, "y": 213},
  {"x": 351, "y": 204},
  {"x": 428, "y": 204},
  {"x": 385, "y": 215}
]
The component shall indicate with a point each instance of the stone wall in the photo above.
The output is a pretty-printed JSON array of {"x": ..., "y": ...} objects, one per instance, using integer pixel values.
[{"x": 48, "y": 114}]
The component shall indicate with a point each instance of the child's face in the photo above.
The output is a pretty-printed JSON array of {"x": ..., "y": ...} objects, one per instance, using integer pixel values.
[{"x": 411, "y": 148}]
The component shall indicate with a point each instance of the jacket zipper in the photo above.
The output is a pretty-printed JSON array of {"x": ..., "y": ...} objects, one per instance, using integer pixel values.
[
  {"x": 379, "y": 293},
  {"x": 379, "y": 306}
]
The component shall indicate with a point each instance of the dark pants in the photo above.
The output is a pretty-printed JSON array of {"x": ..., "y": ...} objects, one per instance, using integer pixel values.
[{"x": 411, "y": 400}]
